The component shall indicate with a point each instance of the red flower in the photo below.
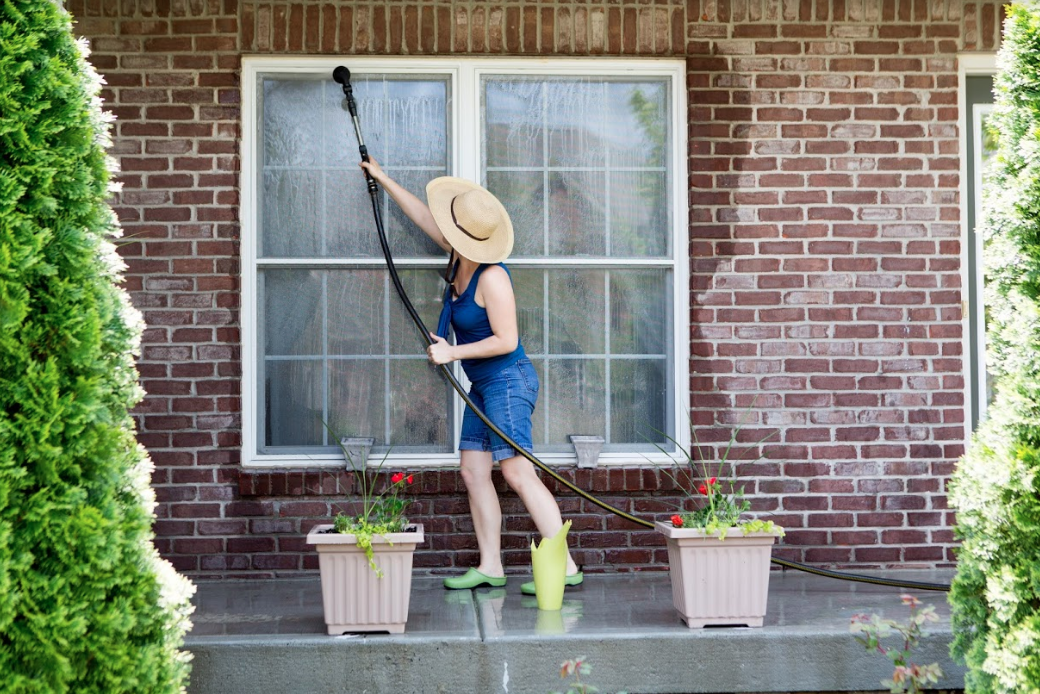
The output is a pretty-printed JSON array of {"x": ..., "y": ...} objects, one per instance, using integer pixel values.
[
  {"x": 397, "y": 477},
  {"x": 409, "y": 479},
  {"x": 712, "y": 482},
  {"x": 677, "y": 521},
  {"x": 703, "y": 490}
]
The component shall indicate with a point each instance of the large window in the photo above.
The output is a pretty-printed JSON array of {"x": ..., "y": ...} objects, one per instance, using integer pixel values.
[{"x": 586, "y": 156}]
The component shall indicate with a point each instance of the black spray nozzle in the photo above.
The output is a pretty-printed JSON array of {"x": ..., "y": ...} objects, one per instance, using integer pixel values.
[{"x": 342, "y": 75}]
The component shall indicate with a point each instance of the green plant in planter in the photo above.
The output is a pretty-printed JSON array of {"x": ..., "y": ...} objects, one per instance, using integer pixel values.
[
  {"x": 995, "y": 595},
  {"x": 718, "y": 510},
  {"x": 86, "y": 604},
  {"x": 381, "y": 514}
]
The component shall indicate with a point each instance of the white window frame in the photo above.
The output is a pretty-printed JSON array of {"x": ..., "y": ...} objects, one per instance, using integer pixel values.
[{"x": 465, "y": 75}]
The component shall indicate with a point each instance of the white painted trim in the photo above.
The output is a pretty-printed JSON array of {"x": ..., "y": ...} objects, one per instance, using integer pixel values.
[
  {"x": 412, "y": 461},
  {"x": 464, "y": 76},
  {"x": 976, "y": 64},
  {"x": 968, "y": 64},
  {"x": 247, "y": 219}
]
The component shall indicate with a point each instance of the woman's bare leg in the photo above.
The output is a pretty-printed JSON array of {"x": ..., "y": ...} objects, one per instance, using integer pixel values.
[
  {"x": 540, "y": 503},
  {"x": 485, "y": 509}
]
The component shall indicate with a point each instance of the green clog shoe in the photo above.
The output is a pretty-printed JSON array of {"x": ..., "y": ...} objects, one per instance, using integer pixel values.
[
  {"x": 473, "y": 579},
  {"x": 568, "y": 582}
]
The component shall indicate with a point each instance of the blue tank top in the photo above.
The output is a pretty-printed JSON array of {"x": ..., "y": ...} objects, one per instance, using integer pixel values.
[{"x": 471, "y": 324}]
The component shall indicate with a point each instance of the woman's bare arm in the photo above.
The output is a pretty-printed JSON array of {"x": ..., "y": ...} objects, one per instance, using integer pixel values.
[{"x": 413, "y": 207}]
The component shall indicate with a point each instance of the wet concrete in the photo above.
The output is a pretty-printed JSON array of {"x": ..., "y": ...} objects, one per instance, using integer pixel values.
[{"x": 268, "y": 636}]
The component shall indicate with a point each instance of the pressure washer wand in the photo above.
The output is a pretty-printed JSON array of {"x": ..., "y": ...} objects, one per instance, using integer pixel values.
[{"x": 342, "y": 75}]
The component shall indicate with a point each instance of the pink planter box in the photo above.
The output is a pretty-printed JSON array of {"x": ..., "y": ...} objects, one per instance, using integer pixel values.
[
  {"x": 718, "y": 582},
  {"x": 354, "y": 598}
]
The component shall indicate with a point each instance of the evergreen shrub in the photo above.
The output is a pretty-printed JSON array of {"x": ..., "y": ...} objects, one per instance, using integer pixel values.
[
  {"x": 86, "y": 603},
  {"x": 995, "y": 490}
]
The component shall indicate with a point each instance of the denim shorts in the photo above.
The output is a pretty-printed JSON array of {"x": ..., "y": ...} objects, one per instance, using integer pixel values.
[{"x": 508, "y": 400}]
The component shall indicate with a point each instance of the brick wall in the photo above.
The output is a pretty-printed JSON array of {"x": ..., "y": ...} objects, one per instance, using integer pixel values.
[{"x": 825, "y": 258}]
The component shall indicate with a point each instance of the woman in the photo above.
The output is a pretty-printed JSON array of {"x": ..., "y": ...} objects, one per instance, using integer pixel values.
[{"x": 474, "y": 228}]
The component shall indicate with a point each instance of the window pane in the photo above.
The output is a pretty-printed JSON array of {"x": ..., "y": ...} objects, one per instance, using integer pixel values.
[
  {"x": 523, "y": 195},
  {"x": 603, "y": 172},
  {"x": 577, "y": 219},
  {"x": 291, "y": 219},
  {"x": 639, "y": 216},
  {"x": 355, "y": 312},
  {"x": 426, "y": 290},
  {"x": 529, "y": 290},
  {"x": 357, "y": 398},
  {"x": 513, "y": 122},
  {"x": 573, "y": 399},
  {"x": 292, "y": 122},
  {"x": 639, "y": 401},
  {"x": 404, "y": 237},
  {"x": 293, "y": 403},
  {"x": 348, "y": 212},
  {"x": 420, "y": 407},
  {"x": 640, "y": 312},
  {"x": 293, "y": 308},
  {"x": 637, "y": 123},
  {"x": 575, "y": 123},
  {"x": 577, "y": 313}
]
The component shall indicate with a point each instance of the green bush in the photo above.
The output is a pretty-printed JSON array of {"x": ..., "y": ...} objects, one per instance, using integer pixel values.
[
  {"x": 86, "y": 604},
  {"x": 995, "y": 490}
]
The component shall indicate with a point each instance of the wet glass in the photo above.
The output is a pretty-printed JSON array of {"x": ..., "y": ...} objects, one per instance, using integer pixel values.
[
  {"x": 640, "y": 312},
  {"x": 577, "y": 312},
  {"x": 529, "y": 291},
  {"x": 523, "y": 195},
  {"x": 356, "y": 320},
  {"x": 292, "y": 312},
  {"x": 420, "y": 407},
  {"x": 574, "y": 119},
  {"x": 577, "y": 223},
  {"x": 426, "y": 290},
  {"x": 291, "y": 214},
  {"x": 293, "y": 403},
  {"x": 639, "y": 214},
  {"x": 514, "y": 128},
  {"x": 357, "y": 398},
  {"x": 638, "y": 401},
  {"x": 292, "y": 122},
  {"x": 574, "y": 394}
]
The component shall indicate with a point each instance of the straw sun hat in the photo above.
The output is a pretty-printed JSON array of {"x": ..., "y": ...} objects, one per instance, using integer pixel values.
[{"x": 472, "y": 220}]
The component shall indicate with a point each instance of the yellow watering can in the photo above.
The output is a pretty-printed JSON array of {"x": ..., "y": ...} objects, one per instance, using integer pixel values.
[{"x": 549, "y": 563}]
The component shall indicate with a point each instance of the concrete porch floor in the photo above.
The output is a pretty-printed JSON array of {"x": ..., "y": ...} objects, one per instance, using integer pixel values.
[{"x": 268, "y": 636}]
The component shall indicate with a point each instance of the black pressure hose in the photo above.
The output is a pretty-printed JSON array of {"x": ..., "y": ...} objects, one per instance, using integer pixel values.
[{"x": 342, "y": 75}]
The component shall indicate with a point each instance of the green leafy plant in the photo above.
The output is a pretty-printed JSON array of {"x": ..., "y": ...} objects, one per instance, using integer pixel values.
[
  {"x": 907, "y": 676},
  {"x": 86, "y": 603},
  {"x": 576, "y": 667},
  {"x": 381, "y": 513},
  {"x": 995, "y": 490},
  {"x": 717, "y": 510}
]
